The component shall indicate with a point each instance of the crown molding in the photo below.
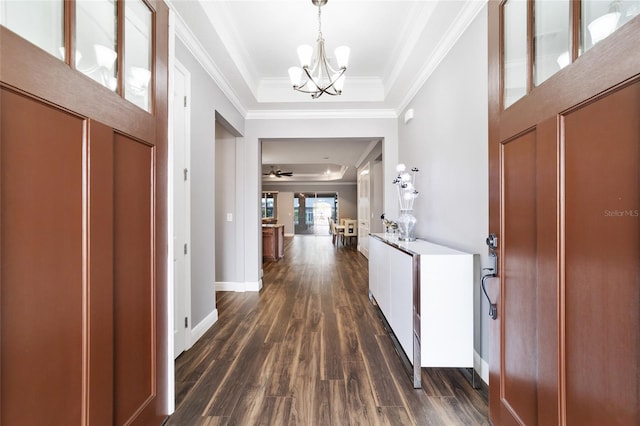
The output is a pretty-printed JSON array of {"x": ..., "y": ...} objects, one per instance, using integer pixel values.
[
  {"x": 455, "y": 31},
  {"x": 357, "y": 89},
  {"x": 220, "y": 19},
  {"x": 194, "y": 46},
  {"x": 320, "y": 114},
  {"x": 408, "y": 42}
]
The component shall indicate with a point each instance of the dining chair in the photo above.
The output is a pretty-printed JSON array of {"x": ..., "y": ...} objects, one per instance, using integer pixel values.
[
  {"x": 350, "y": 230},
  {"x": 336, "y": 232}
]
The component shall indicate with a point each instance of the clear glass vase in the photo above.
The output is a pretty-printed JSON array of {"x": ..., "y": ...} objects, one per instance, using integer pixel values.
[{"x": 406, "y": 225}]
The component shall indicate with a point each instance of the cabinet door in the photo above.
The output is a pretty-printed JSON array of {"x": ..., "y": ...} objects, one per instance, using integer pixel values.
[
  {"x": 268, "y": 244},
  {"x": 400, "y": 286},
  {"x": 379, "y": 274}
]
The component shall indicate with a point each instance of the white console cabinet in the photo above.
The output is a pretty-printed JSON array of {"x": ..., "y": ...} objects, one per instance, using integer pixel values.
[{"x": 425, "y": 292}]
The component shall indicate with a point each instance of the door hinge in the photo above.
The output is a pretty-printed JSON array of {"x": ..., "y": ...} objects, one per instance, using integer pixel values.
[
  {"x": 185, "y": 248},
  {"x": 185, "y": 101},
  {"x": 185, "y": 173},
  {"x": 186, "y": 322}
]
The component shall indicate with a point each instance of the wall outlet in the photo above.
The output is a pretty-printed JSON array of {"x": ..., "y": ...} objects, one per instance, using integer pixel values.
[{"x": 229, "y": 217}]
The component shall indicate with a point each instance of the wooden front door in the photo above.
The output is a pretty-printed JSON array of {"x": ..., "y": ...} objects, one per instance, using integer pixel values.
[
  {"x": 565, "y": 203},
  {"x": 83, "y": 243}
]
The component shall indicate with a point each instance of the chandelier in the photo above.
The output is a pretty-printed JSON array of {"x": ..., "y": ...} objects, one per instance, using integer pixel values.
[{"x": 321, "y": 77}]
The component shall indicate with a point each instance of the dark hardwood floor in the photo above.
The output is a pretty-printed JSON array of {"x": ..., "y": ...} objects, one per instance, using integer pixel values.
[{"x": 310, "y": 349}]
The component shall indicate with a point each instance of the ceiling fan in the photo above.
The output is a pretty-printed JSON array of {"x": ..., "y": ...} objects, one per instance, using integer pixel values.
[{"x": 277, "y": 173}]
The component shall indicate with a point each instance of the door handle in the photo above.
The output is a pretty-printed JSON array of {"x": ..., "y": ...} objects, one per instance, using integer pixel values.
[{"x": 492, "y": 272}]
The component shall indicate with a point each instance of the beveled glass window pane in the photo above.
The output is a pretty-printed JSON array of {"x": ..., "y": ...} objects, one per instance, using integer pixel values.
[
  {"x": 515, "y": 51},
  {"x": 552, "y": 37},
  {"x": 601, "y": 18},
  {"x": 40, "y": 22},
  {"x": 137, "y": 53},
  {"x": 96, "y": 41}
]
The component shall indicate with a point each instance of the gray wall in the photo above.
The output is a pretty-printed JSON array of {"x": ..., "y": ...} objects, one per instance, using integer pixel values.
[
  {"x": 376, "y": 206},
  {"x": 225, "y": 196},
  {"x": 447, "y": 141},
  {"x": 205, "y": 99}
]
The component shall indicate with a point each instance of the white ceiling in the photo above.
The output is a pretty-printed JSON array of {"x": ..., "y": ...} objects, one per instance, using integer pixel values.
[
  {"x": 395, "y": 45},
  {"x": 315, "y": 159}
]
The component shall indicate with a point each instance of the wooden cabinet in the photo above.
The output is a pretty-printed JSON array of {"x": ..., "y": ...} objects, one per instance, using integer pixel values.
[
  {"x": 272, "y": 242},
  {"x": 425, "y": 292}
]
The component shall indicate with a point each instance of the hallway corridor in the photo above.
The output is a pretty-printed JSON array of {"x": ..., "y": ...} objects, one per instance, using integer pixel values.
[{"x": 309, "y": 349}]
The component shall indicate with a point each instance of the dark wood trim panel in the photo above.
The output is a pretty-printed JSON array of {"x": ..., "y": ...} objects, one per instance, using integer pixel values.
[
  {"x": 100, "y": 274},
  {"x": 161, "y": 160},
  {"x": 120, "y": 43},
  {"x": 547, "y": 263},
  {"x": 43, "y": 290},
  {"x": 602, "y": 295},
  {"x": 135, "y": 365},
  {"x": 576, "y": 7}
]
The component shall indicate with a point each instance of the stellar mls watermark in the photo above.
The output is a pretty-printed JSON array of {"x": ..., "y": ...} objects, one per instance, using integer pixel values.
[{"x": 622, "y": 213}]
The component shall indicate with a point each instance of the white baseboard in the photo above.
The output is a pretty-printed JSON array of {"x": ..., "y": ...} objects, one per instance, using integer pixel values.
[
  {"x": 198, "y": 331},
  {"x": 289, "y": 235},
  {"x": 481, "y": 366},
  {"x": 239, "y": 287}
]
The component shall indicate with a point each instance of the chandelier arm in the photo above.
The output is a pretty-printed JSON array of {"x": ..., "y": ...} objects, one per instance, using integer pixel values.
[
  {"x": 330, "y": 87},
  {"x": 320, "y": 90}
]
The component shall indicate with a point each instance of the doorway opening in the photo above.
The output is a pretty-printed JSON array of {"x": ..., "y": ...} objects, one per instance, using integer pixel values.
[{"x": 312, "y": 212}]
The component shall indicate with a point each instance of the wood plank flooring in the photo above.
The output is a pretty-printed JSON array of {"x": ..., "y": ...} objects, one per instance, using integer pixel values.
[{"x": 310, "y": 349}]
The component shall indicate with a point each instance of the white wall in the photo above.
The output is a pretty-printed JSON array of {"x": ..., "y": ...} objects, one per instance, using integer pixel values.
[
  {"x": 447, "y": 141},
  {"x": 225, "y": 197},
  {"x": 376, "y": 187},
  {"x": 285, "y": 212}
]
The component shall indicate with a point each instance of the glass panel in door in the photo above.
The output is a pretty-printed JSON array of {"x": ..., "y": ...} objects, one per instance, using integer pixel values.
[
  {"x": 601, "y": 18},
  {"x": 96, "y": 41},
  {"x": 40, "y": 22},
  {"x": 137, "y": 53},
  {"x": 552, "y": 40},
  {"x": 514, "y": 40}
]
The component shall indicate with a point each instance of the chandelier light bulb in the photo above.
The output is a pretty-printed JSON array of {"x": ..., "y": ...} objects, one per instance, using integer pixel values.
[
  {"x": 295, "y": 75},
  {"x": 339, "y": 81},
  {"x": 304, "y": 55},
  {"x": 342, "y": 56}
]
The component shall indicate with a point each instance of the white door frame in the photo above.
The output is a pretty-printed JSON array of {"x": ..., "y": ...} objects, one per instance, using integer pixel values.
[
  {"x": 181, "y": 199},
  {"x": 364, "y": 208}
]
